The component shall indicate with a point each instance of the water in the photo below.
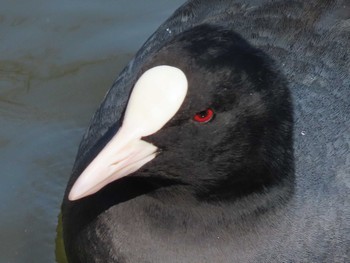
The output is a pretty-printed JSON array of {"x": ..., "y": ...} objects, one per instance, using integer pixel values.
[{"x": 57, "y": 60}]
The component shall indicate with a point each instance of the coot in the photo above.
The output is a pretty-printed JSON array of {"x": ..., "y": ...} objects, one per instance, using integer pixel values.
[{"x": 226, "y": 139}]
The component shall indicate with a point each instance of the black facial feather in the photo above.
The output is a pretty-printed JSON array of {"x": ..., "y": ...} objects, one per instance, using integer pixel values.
[{"x": 247, "y": 148}]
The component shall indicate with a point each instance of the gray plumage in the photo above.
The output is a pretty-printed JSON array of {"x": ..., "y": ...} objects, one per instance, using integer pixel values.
[{"x": 310, "y": 43}]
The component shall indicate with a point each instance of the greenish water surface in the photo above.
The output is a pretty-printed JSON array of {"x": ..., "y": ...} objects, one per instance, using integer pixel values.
[{"x": 57, "y": 60}]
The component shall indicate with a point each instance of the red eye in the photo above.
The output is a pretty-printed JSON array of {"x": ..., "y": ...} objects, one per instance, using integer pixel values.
[{"x": 204, "y": 116}]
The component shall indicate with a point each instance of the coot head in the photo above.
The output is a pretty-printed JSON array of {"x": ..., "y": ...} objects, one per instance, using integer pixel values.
[{"x": 228, "y": 135}]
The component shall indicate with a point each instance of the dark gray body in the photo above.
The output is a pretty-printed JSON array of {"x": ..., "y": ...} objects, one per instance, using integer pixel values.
[{"x": 310, "y": 42}]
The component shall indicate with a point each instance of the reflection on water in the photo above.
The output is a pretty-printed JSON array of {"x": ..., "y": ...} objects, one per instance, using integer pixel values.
[
  {"x": 57, "y": 60},
  {"x": 60, "y": 253}
]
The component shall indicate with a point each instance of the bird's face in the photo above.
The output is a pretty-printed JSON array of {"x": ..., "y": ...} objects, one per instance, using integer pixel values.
[{"x": 204, "y": 112}]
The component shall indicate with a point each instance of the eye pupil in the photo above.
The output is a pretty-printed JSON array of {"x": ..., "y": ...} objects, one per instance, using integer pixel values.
[{"x": 204, "y": 116}]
